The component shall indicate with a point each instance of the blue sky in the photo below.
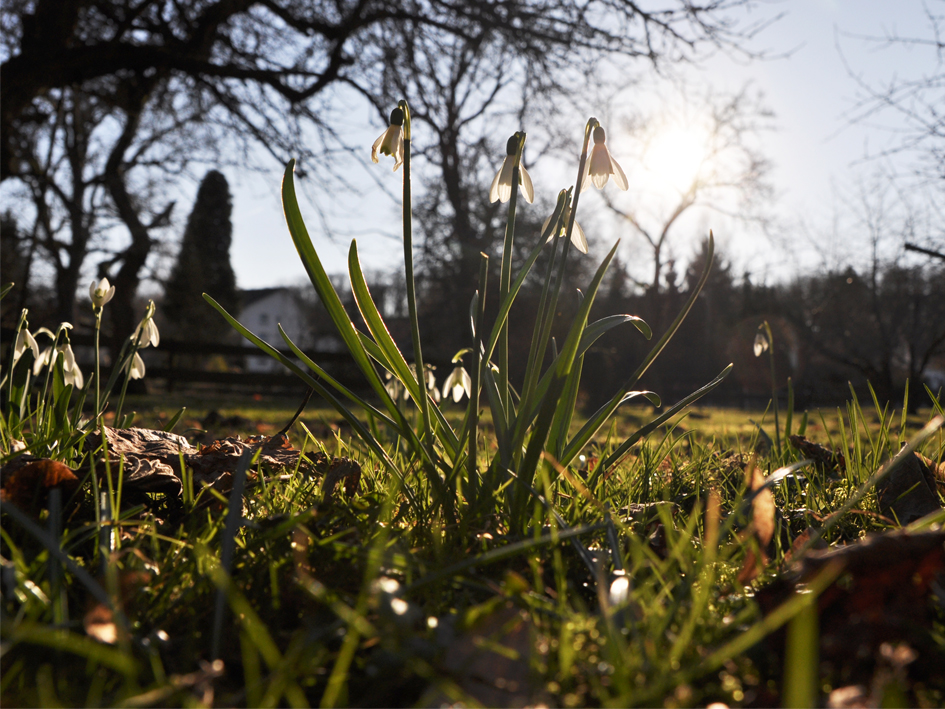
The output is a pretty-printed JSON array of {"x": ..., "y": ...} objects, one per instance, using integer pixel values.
[{"x": 817, "y": 155}]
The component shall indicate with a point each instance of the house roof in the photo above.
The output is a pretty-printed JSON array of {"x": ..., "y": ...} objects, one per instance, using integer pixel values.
[{"x": 252, "y": 295}]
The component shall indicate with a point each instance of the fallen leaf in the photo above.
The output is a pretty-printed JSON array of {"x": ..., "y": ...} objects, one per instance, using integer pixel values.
[
  {"x": 342, "y": 469},
  {"x": 908, "y": 492},
  {"x": 100, "y": 624},
  {"x": 883, "y": 595},
  {"x": 490, "y": 661},
  {"x": 827, "y": 460},
  {"x": 99, "y": 621},
  {"x": 762, "y": 524},
  {"x": 28, "y": 486}
]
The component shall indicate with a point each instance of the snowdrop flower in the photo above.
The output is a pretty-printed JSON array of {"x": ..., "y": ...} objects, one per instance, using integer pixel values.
[
  {"x": 137, "y": 367},
  {"x": 600, "y": 166},
  {"x": 146, "y": 333},
  {"x": 577, "y": 234},
  {"x": 501, "y": 188},
  {"x": 74, "y": 377},
  {"x": 46, "y": 358},
  {"x": 68, "y": 356},
  {"x": 391, "y": 141},
  {"x": 23, "y": 340},
  {"x": 393, "y": 386},
  {"x": 457, "y": 383},
  {"x": 101, "y": 293},
  {"x": 761, "y": 344}
]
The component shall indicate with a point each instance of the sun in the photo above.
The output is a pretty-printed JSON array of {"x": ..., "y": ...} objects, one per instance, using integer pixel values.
[{"x": 675, "y": 155}]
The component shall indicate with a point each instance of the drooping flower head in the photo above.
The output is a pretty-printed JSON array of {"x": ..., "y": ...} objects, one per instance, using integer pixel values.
[
  {"x": 146, "y": 334},
  {"x": 601, "y": 165},
  {"x": 391, "y": 141},
  {"x": 137, "y": 367},
  {"x": 101, "y": 293},
  {"x": 501, "y": 189},
  {"x": 457, "y": 384},
  {"x": 761, "y": 344},
  {"x": 24, "y": 341},
  {"x": 577, "y": 234}
]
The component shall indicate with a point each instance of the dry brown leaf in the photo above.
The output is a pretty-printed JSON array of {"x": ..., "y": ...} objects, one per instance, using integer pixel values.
[
  {"x": 827, "y": 460},
  {"x": 342, "y": 469},
  {"x": 28, "y": 486},
  {"x": 490, "y": 662},
  {"x": 882, "y": 596},
  {"x": 762, "y": 524},
  {"x": 908, "y": 492},
  {"x": 99, "y": 622}
]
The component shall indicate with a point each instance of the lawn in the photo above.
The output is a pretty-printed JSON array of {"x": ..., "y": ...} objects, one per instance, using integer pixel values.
[{"x": 664, "y": 581}]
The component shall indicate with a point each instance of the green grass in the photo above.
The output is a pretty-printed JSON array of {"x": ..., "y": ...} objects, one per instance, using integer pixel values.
[{"x": 368, "y": 601}]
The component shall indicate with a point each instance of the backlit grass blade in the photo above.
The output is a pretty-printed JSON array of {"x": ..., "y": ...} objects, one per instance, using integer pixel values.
[
  {"x": 394, "y": 359},
  {"x": 576, "y": 445},
  {"x": 562, "y": 369},
  {"x": 363, "y": 432},
  {"x": 325, "y": 289},
  {"x": 604, "y": 412}
]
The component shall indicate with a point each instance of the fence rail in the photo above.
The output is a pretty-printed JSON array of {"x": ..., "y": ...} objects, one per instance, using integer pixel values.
[{"x": 167, "y": 362}]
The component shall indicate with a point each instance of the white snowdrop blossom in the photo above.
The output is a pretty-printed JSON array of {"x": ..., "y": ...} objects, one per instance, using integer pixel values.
[
  {"x": 101, "y": 293},
  {"x": 74, "y": 377},
  {"x": 46, "y": 358},
  {"x": 23, "y": 340},
  {"x": 148, "y": 331},
  {"x": 137, "y": 367},
  {"x": 577, "y": 234},
  {"x": 457, "y": 384},
  {"x": 68, "y": 356},
  {"x": 601, "y": 165},
  {"x": 761, "y": 344},
  {"x": 501, "y": 189},
  {"x": 391, "y": 141}
]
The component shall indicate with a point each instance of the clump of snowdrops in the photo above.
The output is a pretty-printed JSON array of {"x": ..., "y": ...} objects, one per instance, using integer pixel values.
[
  {"x": 49, "y": 418},
  {"x": 463, "y": 479}
]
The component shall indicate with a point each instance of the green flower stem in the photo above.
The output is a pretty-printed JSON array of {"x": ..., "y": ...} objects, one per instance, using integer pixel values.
[
  {"x": 124, "y": 387},
  {"x": 98, "y": 363},
  {"x": 411, "y": 283},
  {"x": 774, "y": 388},
  {"x": 548, "y": 308},
  {"x": 19, "y": 326},
  {"x": 505, "y": 278},
  {"x": 472, "y": 450},
  {"x": 536, "y": 353}
]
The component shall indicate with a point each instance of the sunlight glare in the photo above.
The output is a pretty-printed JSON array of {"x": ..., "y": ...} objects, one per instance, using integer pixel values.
[{"x": 675, "y": 155}]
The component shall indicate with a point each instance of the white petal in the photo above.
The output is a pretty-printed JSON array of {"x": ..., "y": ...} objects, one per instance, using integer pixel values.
[
  {"x": 137, "y": 367},
  {"x": 501, "y": 189},
  {"x": 528, "y": 190},
  {"x": 31, "y": 341},
  {"x": 153, "y": 334},
  {"x": 68, "y": 357},
  {"x": 761, "y": 344},
  {"x": 377, "y": 144},
  {"x": 41, "y": 361},
  {"x": 619, "y": 177},
  {"x": 578, "y": 238},
  {"x": 585, "y": 178}
]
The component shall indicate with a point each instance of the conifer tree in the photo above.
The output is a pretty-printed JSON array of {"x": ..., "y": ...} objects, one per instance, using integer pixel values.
[{"x": 203, "y": 266}]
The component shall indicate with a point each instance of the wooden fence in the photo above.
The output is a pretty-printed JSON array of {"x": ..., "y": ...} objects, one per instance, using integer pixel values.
[{"x": 171, "y": 362}]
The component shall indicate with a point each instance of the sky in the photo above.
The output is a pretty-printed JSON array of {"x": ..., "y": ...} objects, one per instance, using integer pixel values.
[{"x": 816, "y": 154}]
